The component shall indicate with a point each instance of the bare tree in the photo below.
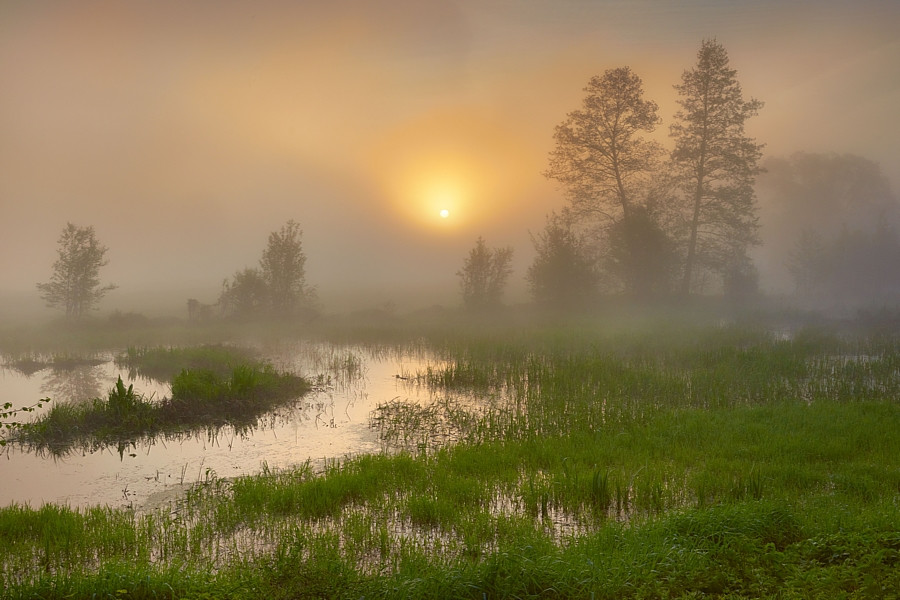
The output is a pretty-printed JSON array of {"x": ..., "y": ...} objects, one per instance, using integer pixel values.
[
  {"x": 75, "y": 283},
  {"x": 484, "y": 275},
  {"x": 717, "y": 164}
]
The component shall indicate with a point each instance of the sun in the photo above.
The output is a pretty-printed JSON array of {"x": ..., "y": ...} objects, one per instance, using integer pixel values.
[
  {"x": 442, "y": 198},
  {"x": 464, "y": 161}
]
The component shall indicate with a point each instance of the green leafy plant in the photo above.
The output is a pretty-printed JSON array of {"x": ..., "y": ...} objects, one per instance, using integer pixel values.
[{"x": 7, "y": 413}]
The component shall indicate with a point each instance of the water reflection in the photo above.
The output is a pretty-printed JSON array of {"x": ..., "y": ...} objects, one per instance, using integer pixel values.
[
  {"x": 127, "y": 419},
  {"x": 26, "y": 365},
  {"x": 74, "y": 384},
  {"x": 330, "y": 422}
]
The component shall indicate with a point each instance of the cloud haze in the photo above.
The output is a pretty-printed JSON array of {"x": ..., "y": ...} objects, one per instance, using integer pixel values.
[{"x": 186, "y": 132}]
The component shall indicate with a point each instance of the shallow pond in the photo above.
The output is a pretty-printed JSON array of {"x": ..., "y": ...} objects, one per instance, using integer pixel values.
[{"x": 331, "y": 422}]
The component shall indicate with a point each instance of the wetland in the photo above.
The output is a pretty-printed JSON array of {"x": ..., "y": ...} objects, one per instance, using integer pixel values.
[{"x": 498, "y": 458}]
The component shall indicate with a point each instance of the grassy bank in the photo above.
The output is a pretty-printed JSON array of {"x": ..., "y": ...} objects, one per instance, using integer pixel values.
[{"x": 677, "y": 462}]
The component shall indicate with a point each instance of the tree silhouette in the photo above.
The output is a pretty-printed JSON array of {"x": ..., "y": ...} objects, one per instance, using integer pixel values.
[
  {"x": 833, "y": 221},
  {"x": 278, "y": 287},
  {"x": 246, "y": 295},
  {"x": 75, "y": 283},
  {"x": 641, "y": 255},
  {"x": 562, "y": 274},
  {"x": 283, "y": 265},
  {"x": 716, "y": 163},
  {"x": 484, "y": 275},
  {"x": 606, "y": 165},
  {"x": 600, "y": 156}
]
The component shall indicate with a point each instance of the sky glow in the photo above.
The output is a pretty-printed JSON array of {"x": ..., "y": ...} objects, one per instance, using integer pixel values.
[{"x": 185, "y": 132}]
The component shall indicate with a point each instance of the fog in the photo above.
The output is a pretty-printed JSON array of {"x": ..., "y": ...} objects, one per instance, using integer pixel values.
[{"x": 185, "y": 132}]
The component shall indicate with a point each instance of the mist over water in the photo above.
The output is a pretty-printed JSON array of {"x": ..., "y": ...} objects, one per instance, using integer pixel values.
[
  {"x": 436, "y": 299},
  {"x": 330, "y": 423}
]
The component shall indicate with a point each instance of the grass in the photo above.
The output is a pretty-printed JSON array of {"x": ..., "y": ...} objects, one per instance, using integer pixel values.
[
  {"x": 671, "y": 461},
  {"x": 164, "y": 363},
  {"x": 200, "y": 399}
]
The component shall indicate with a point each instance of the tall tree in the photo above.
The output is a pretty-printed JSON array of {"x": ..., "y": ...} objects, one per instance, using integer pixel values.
[
  {"x": 484, "y": 275},
  {"x": 717, "y": 164},
  {"x": 602, "y": 158},
  {"x": 283, "y": 266},
  {"x": 75, "y": 283},
  {"x": 562, "y": 274}
]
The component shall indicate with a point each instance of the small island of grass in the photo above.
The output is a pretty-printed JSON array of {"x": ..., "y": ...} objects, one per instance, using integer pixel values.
[{"x": 209, "y": 397}]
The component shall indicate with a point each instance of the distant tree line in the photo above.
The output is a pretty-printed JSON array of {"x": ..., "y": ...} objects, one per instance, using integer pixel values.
[
  {"x": 832, "y": 220},
  {"x": 277, "y": 288},
  {"x": 639, "y": 220},
  {"x": 828, "y": 230}
]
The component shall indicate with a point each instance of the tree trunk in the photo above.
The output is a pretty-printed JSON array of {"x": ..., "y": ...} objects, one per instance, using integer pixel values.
[{"x": 692, "y": 244}]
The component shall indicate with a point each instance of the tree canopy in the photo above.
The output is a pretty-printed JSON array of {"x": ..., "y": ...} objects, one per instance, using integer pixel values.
[
  {"x": 651, "y": 219},
  {"x": 607, "y": 167},
  {"x": 74, "y": 285},
  {"x": 563, "y": 274},
  {"x": 283, "y": 266},
  {"x": 484, "y": 275},
  {"x": 830, "y": 222},
  {"x": 601, "y": 156},
  {"x": 716, "y": 164}
]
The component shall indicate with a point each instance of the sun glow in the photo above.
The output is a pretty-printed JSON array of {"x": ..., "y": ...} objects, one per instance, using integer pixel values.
[
  {"x": 443, "y": 199},
  {"x": 431, "y": 192},
  {"x": 452, "y": 171}
]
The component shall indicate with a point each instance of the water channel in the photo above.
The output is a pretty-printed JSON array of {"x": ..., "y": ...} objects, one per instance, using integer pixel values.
[{"x": 331, "y": 422}]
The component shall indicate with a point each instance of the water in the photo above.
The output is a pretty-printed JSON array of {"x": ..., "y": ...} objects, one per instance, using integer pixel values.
[{"x": 330, "y": 423}]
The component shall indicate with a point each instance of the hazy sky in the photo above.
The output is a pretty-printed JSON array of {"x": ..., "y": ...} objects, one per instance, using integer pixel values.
[{"x": 185, "y": 132}]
